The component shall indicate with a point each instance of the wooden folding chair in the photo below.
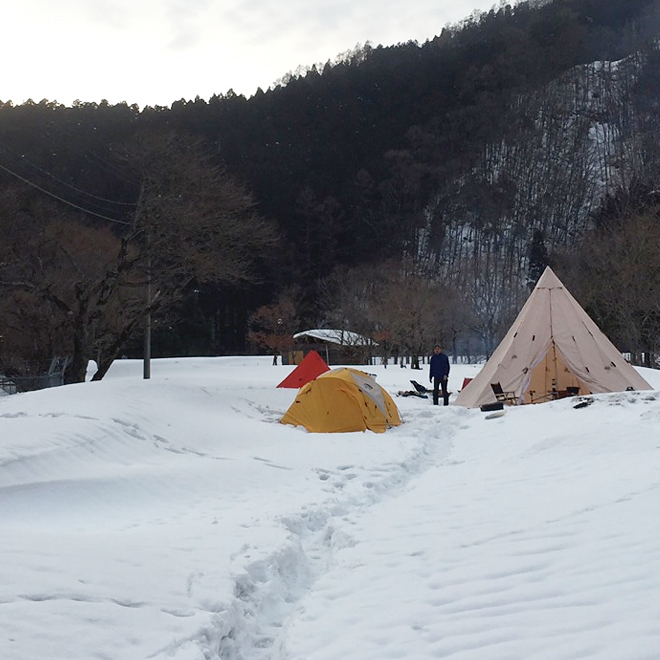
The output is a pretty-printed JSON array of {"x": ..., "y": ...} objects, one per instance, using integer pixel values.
[{"x": 510, "y": 398}]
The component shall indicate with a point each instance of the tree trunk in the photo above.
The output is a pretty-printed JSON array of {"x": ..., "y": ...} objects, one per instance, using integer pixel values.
[
  {"x": 77, "y": 370},
  {"x": 106, "y": 359},
  {"x": 103, "y": 365}
]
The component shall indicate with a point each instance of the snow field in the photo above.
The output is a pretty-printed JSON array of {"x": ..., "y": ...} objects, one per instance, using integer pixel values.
[{"x": 176, "y": 518}]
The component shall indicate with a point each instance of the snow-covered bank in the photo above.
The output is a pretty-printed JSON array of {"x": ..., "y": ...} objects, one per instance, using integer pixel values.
[{"x": 176, "y": 518}]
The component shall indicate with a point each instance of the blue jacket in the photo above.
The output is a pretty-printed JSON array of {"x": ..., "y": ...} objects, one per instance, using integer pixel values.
[{"x": 439, "y": 365}]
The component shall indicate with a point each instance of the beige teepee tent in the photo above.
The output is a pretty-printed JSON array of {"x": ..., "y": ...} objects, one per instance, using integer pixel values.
[{"x": 552, "y": 349}]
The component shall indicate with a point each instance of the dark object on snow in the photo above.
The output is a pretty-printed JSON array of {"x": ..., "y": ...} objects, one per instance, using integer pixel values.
[
  {"x": 489, "y": 407},
  {"x": 420, "y": 388},
  {"x": 584, "y": 403},
  {"x": 412, "y": 393}
]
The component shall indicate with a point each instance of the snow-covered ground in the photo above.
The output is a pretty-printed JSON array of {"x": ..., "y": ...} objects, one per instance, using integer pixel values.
[{"x": 176, "y": 518}]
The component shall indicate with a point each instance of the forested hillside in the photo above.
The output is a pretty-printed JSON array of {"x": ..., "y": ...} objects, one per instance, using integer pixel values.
[{"x": 410, "y": 192}]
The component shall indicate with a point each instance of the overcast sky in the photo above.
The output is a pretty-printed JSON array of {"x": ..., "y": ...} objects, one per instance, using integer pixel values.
[{"x": 154, "y": 52}]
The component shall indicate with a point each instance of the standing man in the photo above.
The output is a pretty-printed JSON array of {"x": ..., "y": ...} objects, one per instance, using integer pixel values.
[{"x": 439, "y": 374}]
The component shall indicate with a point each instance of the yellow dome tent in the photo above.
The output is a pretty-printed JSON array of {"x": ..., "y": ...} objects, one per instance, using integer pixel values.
[{"x": 340, "y": 401}]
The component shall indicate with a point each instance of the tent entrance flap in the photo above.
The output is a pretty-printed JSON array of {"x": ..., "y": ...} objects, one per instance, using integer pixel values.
[{"x": 550, "y": 377}]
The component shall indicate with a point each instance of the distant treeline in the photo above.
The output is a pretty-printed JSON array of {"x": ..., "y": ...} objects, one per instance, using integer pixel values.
[{"x": 469, "y": 155}]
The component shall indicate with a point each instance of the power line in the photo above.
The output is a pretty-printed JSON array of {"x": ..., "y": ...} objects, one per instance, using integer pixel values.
[
  {"x": 61, "y": 199},
  {"x": 84, "y": 192},
  {"x": 109, "y": 165},
  {"x": 52, "y": 176}
]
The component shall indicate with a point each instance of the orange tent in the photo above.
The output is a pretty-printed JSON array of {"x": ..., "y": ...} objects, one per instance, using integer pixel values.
[
  {"x": 312, "y": 366},
  {"x": 341, "y": 401}
]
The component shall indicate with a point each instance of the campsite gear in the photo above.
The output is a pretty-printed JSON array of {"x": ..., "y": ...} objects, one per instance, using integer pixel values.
[
  {"x": 419, "y": 391},
  {"x": 312, "y": 366},
  {"x": 502, "y": 396},
  {"x": 553, "y": 345},
  {"x": 412, "y": 393},
  {"x": 489, "y": 407},
  {"x": 343, "y": 400}
]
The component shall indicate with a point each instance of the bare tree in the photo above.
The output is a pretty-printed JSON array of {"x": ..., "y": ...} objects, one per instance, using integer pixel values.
[
  {"x": 192, "y": 223},
  {"x": 404, "y": 311},
  {"x": 617, "y": 277},
  {"x": 52, "y": 271},
  {"x": 272, "y": 326},
  {"x": 494, "y": 298}
]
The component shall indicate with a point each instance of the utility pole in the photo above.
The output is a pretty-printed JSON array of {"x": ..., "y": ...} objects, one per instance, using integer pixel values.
[
  {"x": 146, "y": 367},
  {"x": 146, "y": 353}
]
